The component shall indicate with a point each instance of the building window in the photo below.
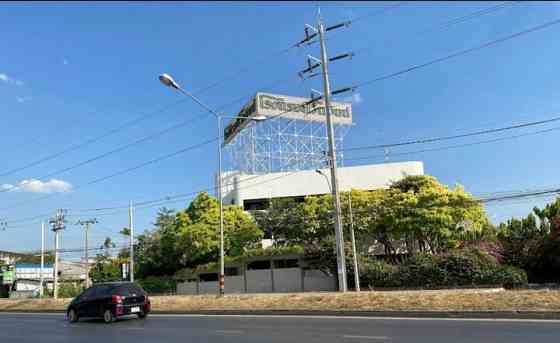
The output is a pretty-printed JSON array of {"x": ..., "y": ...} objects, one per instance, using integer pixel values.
[
  {"x": 255, "y": 204},
  {"x": 208, "y": 277},
  {"x": 258, "y": 265},
  {"x": 288, "y": 263},
  {"x": 231, "y": 271}
]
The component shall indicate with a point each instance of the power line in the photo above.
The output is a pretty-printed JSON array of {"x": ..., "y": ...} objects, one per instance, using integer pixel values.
[
  {"x": 127, "y": 170},
  {"x": 457, "y": 54},
  {"x": 476, "y": 14},
  {"x": 453, "y": 21},
  {"x": 75, "y": 147},
  {"x": 464, "y": 135},
  {"x": 379, "y": 12}
]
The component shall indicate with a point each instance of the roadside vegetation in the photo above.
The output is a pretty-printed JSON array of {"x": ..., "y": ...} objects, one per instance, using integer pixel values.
[{"x": 418, "y": 233}]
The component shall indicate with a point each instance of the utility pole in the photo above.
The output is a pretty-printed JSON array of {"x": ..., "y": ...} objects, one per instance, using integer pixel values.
[
  {"x": 58, "y": 223},
  {"x": 87, "y": 223},
  {"x": 323, "y": 63},
  {"x": 41, "y": 279},
  {"x": 131, "y": 229},
  {"x": 354, "y": 253}
]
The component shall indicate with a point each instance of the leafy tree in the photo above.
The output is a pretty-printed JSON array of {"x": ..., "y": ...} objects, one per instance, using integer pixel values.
[
  {"x": 105, "y": 269},
  {"x": 156, "y": 252},
  {"x": 434, "y": 214},
  {"x": 417, "y": 210},
  {"x": 533, "y": 243},
  {"x": 190, "y": 237},
  {"x": 197, "y": 231}
]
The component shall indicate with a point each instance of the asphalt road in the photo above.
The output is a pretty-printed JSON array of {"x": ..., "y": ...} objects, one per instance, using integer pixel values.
[{"x": 47, "y": 328}]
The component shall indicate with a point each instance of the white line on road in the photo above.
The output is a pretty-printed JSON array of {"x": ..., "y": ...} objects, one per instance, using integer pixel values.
[
  {"x": 367, "y": 337},
  {"x": 238, "y": 332}
]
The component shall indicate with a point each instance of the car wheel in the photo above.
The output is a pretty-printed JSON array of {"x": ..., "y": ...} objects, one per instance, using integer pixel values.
[
  {"x": 72, "y": 316},
  {"x": 142, "y": 315},
  {"x": 108, "y": 316}
]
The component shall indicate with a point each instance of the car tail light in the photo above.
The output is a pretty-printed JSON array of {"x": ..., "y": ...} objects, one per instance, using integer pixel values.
[
  {"x": 148, "y": 304},
  {"x": 117, "y": 299}
]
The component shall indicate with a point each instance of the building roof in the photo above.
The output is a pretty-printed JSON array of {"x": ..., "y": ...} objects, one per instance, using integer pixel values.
[{"x": 33, "y": 265}]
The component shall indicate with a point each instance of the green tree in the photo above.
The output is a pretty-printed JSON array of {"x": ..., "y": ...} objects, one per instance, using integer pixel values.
[
  {"x": 533, "y": 243},
  {"x": 105, "y": 269},
  {"x": 156, "y": 252},
  {"x": 197, "y": 231},
  {"x": 432, "y": 214}
]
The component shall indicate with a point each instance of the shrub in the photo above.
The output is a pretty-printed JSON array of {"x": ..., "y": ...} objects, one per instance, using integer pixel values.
[
  {"x": 467, "y": 267},
  {"x": 508, "y": 276},
  {"x": 375, "y": 273},
  {"x": 158, "y": 284},
  {"x": 69, "y": 290}
]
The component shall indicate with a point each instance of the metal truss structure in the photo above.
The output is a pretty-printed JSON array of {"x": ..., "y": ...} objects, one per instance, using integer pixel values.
[{"x": 282, "y": 144}]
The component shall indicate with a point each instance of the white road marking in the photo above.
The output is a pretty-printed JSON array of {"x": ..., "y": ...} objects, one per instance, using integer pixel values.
[
  {"x": 230, "y": 331},
  {"x": 278, "y": 316},
  {"x": 367, "y": 337}
]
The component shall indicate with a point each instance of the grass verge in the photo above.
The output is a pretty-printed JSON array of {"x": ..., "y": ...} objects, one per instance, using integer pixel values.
[{"x": 447, "y": 300}]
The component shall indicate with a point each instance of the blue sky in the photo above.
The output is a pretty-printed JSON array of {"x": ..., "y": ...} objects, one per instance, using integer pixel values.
[{"x": 71, "y": 72}]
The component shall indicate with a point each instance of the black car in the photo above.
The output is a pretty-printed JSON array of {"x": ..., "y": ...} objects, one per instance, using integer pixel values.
[{"x": 110, "y": 301}]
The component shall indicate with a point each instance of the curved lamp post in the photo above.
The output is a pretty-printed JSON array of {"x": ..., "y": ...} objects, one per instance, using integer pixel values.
[{"x": 168, "y": 81}]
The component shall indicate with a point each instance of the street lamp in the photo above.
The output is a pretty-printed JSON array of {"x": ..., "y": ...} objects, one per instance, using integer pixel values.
[
  {"x": 168, "y": 81},
  {"x": 354, "y": 254},
  {"x": 320, "y": 172}
]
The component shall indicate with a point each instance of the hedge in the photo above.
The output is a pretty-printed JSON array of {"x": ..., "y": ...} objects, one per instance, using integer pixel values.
[
  {"x": 459, "y": 268},
  {"x": 158, "y": 284}
]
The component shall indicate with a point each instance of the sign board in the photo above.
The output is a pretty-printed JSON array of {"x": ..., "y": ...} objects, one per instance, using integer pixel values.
[
  {"x": 8, "y": 277},
  {"x": 291, "y": 107}
]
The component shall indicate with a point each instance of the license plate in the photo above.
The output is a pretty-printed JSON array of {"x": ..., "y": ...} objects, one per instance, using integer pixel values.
[{"x": 135, "y": 310}]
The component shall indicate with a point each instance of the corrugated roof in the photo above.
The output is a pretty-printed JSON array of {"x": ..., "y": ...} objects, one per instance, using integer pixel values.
[{"x": 33, "y": 265}]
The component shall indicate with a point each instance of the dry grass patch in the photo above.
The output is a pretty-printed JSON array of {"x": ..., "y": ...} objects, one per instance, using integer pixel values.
[
  {"x": 447, "y": 300},
  {"x": 459, "y": 300}
]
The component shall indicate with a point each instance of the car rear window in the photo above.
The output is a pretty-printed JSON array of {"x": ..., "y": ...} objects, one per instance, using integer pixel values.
[
  {"x": 129, "y": 289},
  {"x": 103, "y": 290}
]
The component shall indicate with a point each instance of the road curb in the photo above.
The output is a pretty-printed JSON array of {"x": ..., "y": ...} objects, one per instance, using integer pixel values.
[
  {"x": 544, "y": 315},
  {"x": 401, "y": 314}
]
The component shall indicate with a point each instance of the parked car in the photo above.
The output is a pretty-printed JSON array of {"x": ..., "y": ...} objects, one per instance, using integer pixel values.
[{"x": 110, "y": 301}]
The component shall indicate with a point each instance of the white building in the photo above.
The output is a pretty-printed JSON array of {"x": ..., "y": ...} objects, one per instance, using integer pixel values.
[{"x": 252, "y": 192}]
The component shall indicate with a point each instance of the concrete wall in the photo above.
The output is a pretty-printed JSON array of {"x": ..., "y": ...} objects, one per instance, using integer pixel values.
[
  {"x": 234, "y": 284},
  {"x": 208, "y": 287},
  {"x": 259, "y": 281},
  {"x": 287, "y": 280},
  {"x": 308, "y": 182},
  {"x": 189, "y": 288},
  {"x": 317, "y": 281}
]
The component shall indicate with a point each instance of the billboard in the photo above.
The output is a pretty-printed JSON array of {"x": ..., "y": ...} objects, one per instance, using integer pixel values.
[{"x": 271, "y": 105}]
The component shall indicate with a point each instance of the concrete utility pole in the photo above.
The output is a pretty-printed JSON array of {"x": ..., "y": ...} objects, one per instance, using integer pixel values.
[
  {"x": 58, "y": 223},
  {"x": 354, "y": 253},
  {"x": 341, "y": 263},
  {"x": 41, "y": 279},
  {"x": 131, "y": 229},
  {"x": 87, "y": 223},
  {"x": 314, "y": 63}
]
